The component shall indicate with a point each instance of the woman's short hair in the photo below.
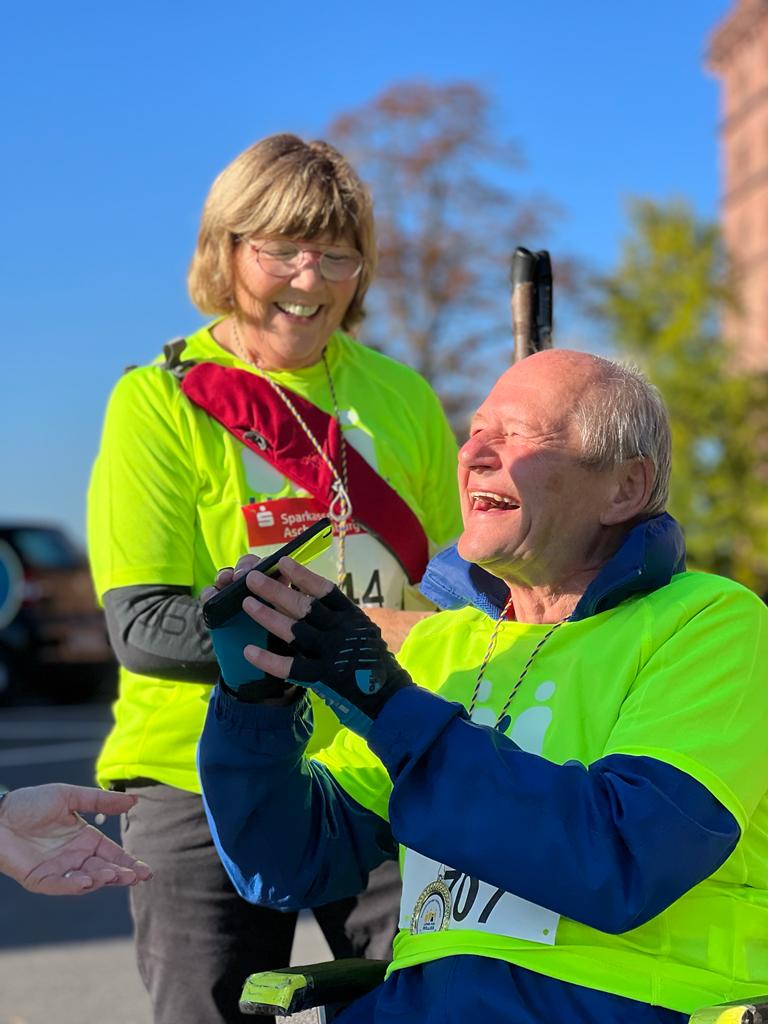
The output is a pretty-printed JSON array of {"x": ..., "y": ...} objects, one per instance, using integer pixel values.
[
  {"x": 280, "y": 186},
  {"x": 622, "y": 416}
]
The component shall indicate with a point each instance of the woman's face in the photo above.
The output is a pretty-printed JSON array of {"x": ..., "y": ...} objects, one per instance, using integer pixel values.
[{"x": 288, "y": 320}]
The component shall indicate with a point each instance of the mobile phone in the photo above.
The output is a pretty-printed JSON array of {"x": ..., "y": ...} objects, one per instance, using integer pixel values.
[
  {"x": 303, "y": 548},
  {"x": 231, "y": 628}
]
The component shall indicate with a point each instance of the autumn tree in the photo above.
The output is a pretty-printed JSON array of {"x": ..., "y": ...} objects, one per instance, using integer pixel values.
[
  {"x": 663, "y": 306},
  {"x": 447, "y": 221}
]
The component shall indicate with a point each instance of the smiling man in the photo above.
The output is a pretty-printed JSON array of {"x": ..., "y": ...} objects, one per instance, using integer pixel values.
[{"x": 571, "y": 760}]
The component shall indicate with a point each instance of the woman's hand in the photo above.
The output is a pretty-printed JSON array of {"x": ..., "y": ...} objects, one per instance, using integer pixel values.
[
  {"x": 48, "y": 848},
  {"x": 395, "y": 625},
  {"x": 228, "y": 574}
]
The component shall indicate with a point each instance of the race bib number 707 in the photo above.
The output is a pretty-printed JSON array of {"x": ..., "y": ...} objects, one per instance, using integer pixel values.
[{"x": 440, "y": 898}]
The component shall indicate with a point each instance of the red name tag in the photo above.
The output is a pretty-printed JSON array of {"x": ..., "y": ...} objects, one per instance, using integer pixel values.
[{"x": 277, "y": 521}]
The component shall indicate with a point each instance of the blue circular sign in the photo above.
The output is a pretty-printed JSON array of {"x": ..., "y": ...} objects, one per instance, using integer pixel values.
[{"x": 11, "y": 583}]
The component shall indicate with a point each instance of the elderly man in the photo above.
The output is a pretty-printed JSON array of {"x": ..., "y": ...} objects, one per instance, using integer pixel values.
[{"x": 572, "y": 759}]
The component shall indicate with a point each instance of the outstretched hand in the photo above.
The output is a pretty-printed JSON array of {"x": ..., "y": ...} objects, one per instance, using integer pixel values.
[
  {"x": 48, "y": 848},
  {"x": 337, "y": 651}
]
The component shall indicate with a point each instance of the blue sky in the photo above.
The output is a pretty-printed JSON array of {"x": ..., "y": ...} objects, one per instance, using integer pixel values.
[{"x": 115, "y": 119}]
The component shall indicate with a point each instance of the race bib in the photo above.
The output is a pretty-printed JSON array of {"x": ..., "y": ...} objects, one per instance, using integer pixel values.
[
  {"x": 373, "y": 576},
  {"x": 439, "y": 898}
]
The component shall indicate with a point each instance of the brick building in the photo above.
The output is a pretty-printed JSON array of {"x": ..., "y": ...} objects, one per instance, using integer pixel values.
[{"x": 738, "y": 54}]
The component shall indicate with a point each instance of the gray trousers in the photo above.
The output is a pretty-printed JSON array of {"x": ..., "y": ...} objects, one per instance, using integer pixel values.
[{"x": 197, "y": 940}]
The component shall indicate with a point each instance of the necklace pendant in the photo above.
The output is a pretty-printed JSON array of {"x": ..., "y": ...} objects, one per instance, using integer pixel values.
[
  {"x": 432, "y": 910},
  {"x": 339, "y": 508}
]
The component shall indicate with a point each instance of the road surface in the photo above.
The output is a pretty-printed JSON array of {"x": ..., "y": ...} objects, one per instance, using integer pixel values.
[{"x": 70, "y": 960}]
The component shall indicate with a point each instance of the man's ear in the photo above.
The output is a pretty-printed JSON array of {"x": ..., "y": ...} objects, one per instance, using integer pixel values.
[{"x": 632, "y": 485}]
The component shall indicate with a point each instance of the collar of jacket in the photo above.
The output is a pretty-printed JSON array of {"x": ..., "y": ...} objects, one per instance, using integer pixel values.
[{"x": 652, "y": 553}]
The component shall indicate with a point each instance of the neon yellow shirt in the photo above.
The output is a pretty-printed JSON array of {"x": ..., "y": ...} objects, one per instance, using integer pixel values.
[
  {"x": 678, "y": 675},
  {"x": 168, "y": 498}
]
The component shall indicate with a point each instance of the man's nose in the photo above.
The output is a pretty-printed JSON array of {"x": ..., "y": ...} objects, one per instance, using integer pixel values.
[{"x": 478, "y": 451}]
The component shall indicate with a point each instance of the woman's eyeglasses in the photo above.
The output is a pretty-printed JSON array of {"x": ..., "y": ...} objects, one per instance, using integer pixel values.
[{"x": 284, "y": 259}]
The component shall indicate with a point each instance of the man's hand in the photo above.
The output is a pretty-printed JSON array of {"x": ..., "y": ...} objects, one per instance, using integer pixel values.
[
  {"x": 338, "y": 651},
  {"x": 48, "y": 848},
  {"x": 240, "y": 678}
]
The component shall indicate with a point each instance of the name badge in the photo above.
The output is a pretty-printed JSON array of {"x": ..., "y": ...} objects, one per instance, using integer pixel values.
[
  {"x": 374, "y": 577},
  {"x": 439, "y": 898}
]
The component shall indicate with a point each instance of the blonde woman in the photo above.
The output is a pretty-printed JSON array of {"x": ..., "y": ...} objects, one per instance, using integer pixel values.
[{"x": 250, "y": 428}]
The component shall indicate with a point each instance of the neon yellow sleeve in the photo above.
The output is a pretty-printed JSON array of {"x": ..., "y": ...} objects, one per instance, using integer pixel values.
[
  {"x": 357, "y": 769},
  {"x": 440, "y": 493},
  {"x": 700, "y": 701},
  {"x": 141, "y": 499}
]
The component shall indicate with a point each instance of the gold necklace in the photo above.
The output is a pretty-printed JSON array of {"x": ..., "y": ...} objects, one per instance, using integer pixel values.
[
  {"x": 340, "y": 508},
  {"x": 487, "y": 657}
]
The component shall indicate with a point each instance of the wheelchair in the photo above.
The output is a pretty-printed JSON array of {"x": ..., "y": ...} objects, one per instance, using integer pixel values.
[{"x": 317, "y": 993}]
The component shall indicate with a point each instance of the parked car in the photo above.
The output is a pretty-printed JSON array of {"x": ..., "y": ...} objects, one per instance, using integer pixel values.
[{"x": 53, "y": 639}]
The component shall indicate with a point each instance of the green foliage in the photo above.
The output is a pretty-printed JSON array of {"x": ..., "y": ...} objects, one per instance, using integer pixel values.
[{"x": 663, "y": 307}]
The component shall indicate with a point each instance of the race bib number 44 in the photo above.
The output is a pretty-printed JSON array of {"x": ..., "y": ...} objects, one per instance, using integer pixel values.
[{"x": 440, "y": 898}]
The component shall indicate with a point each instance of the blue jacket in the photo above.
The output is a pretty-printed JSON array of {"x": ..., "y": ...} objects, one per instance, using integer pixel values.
[{"x": 291, "y": 837}]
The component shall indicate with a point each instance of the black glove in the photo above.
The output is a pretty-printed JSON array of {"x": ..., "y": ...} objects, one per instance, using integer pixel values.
[{"x": 340, "y": 655}]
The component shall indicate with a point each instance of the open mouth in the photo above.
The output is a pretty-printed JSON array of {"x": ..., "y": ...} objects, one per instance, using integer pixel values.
[
  {"x": 489, "y": 501},
  {"x": 297, "y": 311}
]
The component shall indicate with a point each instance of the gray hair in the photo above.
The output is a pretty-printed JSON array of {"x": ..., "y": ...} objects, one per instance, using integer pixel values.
[{"x": 622, "y": 416}]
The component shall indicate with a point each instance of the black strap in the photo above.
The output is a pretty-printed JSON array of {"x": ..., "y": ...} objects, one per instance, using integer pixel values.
[
  {"x": 120, "y": 785},
  {"x": 173, "y": 362}
]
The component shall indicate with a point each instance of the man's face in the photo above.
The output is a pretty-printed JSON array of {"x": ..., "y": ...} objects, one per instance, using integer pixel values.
[{"x": 532, "y": 512}]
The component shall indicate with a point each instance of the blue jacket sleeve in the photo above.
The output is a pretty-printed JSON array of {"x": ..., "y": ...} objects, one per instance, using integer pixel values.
[
  {"x": 288, "y": 835},
  {"x": 610, "y": 845}
]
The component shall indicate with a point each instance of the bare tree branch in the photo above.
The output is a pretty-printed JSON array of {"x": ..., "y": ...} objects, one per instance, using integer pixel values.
[{"x": 448, "y": 221}]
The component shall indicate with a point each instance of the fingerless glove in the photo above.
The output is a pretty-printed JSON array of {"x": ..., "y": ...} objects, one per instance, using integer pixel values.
[{"x": 340, "y": 655}]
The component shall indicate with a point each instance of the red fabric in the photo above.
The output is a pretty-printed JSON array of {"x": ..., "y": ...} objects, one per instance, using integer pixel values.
[{"x": 243, "y": 402}]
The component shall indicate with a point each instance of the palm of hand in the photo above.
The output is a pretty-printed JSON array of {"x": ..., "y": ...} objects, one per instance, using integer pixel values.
[{"x": 48, "y": 848}]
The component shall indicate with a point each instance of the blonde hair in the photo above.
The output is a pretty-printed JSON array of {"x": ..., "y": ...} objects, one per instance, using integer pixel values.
[{"x": 280, "y": 186}]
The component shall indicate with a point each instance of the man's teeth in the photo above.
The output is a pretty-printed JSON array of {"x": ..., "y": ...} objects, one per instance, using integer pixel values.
[
  {"x": 296, "y": 310},
  {"x": 493, "y": 499}
]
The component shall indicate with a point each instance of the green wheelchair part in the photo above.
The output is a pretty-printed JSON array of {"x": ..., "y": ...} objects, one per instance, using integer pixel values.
[
  {"x": 315, "y": 994},
  {"x": 742, "y": 1011},
  {"x": 312, "y": 994}
]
